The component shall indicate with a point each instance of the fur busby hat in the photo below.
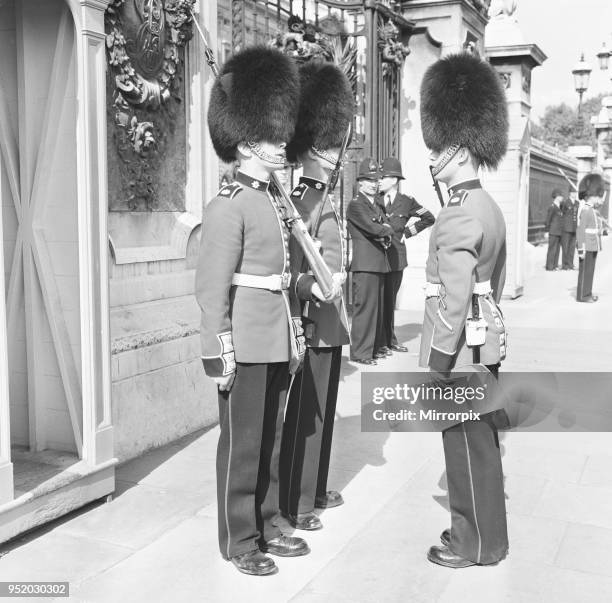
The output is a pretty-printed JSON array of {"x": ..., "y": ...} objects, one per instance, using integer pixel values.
[
  {"x": 463, "y": 103},
  {"x": 592, "y": 185},
  {"x": 254, "y": 99},
  {"x": 326, "y": 108}
]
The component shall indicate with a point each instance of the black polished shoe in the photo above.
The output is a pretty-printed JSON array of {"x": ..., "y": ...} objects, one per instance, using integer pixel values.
[
  {"x": 396, "y": 347},
  {"x": 445, "y": 537},
  {"x": 442, "y": 555},
  {"x": 330, "y": 499},
  {"x": 304, "y": 521},
  {"x": 591, "y": 299},
  {"x": 254, "y": 563},
  {"x": 286, "y": 546},
  {"x": 379, "y": 354},
  {"x": 364, "y": 360}
]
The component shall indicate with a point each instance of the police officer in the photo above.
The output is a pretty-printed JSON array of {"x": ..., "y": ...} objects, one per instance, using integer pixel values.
[
  {"x": 371, "y": 234},
  {"x": 326, "y": 110},
  {"x": 568, "y": 236},
  {"x": 554, "y": 227},
  {"x": 465, "y": 124},
  {"x": 399, "y": 209},
  {"x": 588, "y": 235},
  {"x": 250, "y": 327}
]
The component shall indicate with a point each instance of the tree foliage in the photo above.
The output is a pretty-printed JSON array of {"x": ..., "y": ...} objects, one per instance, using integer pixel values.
[{"x": 562, "y": 126}]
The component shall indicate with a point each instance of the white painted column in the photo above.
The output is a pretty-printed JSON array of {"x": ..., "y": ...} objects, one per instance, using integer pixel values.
[{"x": 93, "y": 231}]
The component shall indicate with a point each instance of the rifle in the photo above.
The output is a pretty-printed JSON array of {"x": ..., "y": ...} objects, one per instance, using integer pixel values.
[
  {"x": 320, "y": 270},
  {"x": 569, "y": 181},
  {"x": 436, "y": 186}
]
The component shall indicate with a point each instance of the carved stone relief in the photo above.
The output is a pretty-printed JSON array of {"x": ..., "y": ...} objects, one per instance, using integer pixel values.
[{"x": 145, "y": 42}]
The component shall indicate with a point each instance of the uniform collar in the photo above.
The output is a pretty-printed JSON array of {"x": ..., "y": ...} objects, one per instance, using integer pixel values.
[
  {"x": 312, "y": 183},
  {"x": 466, "y": 185},
  {"x": 254, "y": 183}
]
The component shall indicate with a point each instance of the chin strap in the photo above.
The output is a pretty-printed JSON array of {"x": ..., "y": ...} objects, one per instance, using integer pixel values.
[
  {"x": 444, "y": 159},
  {"x": 332, "y": 159},
  {"x": 259, "y": 152}
]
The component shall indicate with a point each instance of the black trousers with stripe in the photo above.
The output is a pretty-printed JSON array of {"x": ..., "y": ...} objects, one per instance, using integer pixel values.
[
  {"x": 586, "y": 272},
  {"x": 308, "y": 429},
  {"x": 366, "y": 328},
  {"x": 251, "y": 421},
  {"x": 476, "y": 489}
]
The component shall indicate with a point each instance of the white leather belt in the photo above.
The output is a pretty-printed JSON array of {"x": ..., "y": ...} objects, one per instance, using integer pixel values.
[
  {"x": 273, "y": 282},
  {"x": 482, "y": 288},
  {"x": 591, "y": 230}
]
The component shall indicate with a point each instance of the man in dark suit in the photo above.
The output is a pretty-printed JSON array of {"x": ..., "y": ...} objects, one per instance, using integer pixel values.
[
  {"x": 554, "y": 227},
  {"x": 568, "y": 237},
  {"x": 371, "y": 235},
  {"x": 399, "y": 209}
]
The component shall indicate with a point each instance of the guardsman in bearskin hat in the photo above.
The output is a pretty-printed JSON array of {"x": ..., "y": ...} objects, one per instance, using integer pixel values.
[
  {"x": 326, "y": 111},
  {"x": 588, "y": 235},
  {"x": 371, "y": 234},
  {"x": 251, "y": 338},
  {"x": 399, "y": 209},
  {"x": 465, "y": 125}
]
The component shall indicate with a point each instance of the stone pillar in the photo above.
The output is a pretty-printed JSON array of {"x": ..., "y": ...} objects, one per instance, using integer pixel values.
[
  {"x": 514, "y": 60},
  {"x": 586, "y": 157},
  {"x": 603, "y": 128}
]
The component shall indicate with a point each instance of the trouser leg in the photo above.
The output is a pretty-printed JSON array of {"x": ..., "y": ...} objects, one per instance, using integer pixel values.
[
  {"x": 476, "y": 492},
  {"x": 241, "y": 419},
  {"x": 366, "y": 306},
  {"x": 395, "y": 278},
  {"x": 303, "y": 432},
  {"x": 580, "y": 286},
  {"x": 571, "y": 249},
  {"x": 267, "y": 493},
  {"x": 590, "y": 258},
  {"x": 380, "y": 338},
  {"x": 565, "y": 240},
  {"x": 328, "y": 421},
  {"x": 552, "y": 256}
]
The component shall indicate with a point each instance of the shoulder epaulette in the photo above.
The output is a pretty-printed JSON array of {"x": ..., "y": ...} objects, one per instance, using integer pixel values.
[
  {"x": 230, "y": 190},
  {"x": 457, "y": 199},
  {"x": 299, "y": 190}
]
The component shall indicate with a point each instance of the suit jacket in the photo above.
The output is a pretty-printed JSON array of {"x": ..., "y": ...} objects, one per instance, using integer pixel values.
[
  {"x": 325, "y": 325},
  {"x": 467, "y": 245},
  {"x": 367, "y": 225},
  {"x": 554, "y": 220},
  {"x": 399, "y": 212},
  {"x": 243, "y": 231},
  {"x": 570, "y": 215},
  {"x": 588, "y": 233}
]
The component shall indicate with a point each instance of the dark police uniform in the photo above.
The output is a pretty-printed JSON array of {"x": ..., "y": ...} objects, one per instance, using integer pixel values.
[
  {"x": 399, "y": 210},
  {"x": 568, "y": 237},
  {"x": 309, "y": 420},
  {"x": 367, "y": 226},
  {"x": 588, "y": 242},
  {"x": 554, "y": 227},
  {"x": 467, "y": 254},
  {"x": 250, "y": 325}
]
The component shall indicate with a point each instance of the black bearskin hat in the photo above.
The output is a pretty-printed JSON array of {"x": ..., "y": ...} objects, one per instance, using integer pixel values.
[
  {"x": 463, "y": 103},
  {"x": 326, "y": 108},
  {"x": 592, "y": 185},
  {"x": 255, "y": 98}
]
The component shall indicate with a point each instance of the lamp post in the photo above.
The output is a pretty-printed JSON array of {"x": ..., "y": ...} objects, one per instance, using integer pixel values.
[{"x": 581, "y": 73}]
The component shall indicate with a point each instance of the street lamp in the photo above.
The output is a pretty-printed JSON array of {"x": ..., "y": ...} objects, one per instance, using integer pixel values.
[
  {"x": 604, "y": 57},
  {"x": 581, "y": 73}
]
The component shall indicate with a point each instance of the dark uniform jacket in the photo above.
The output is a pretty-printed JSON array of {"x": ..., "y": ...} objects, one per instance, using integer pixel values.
[
  {"x": 467, "y": 245},
  {"x": 367, "y": 225},
  {"x": 588, "y": 234},
  {"x": 243, "y": 232},
  {"x": 325, "y": 325},
  {"x": 570, "y": 215},
  {"x": 399, "y": 212},
  {"x": 554, "y": 220}
]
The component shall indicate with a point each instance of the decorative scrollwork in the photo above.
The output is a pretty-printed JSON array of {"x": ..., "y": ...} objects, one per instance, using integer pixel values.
[
  {"x": 393, "y": 53},
  {"x": 143, "y": 43}
]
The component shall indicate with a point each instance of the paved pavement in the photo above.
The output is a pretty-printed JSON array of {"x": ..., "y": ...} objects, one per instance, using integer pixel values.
[{"x": 156, "y": 541}]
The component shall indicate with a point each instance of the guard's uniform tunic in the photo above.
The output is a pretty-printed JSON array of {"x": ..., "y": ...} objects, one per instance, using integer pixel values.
[
  {"x": 367, "y": 224},
  {"x": 467, "y": 254},
  {"x": 250, "y": 324},
  {"x": 309, "y": 420},
  {"x": 588, "y": 241},
  {"x": 399, "y": 210}
]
